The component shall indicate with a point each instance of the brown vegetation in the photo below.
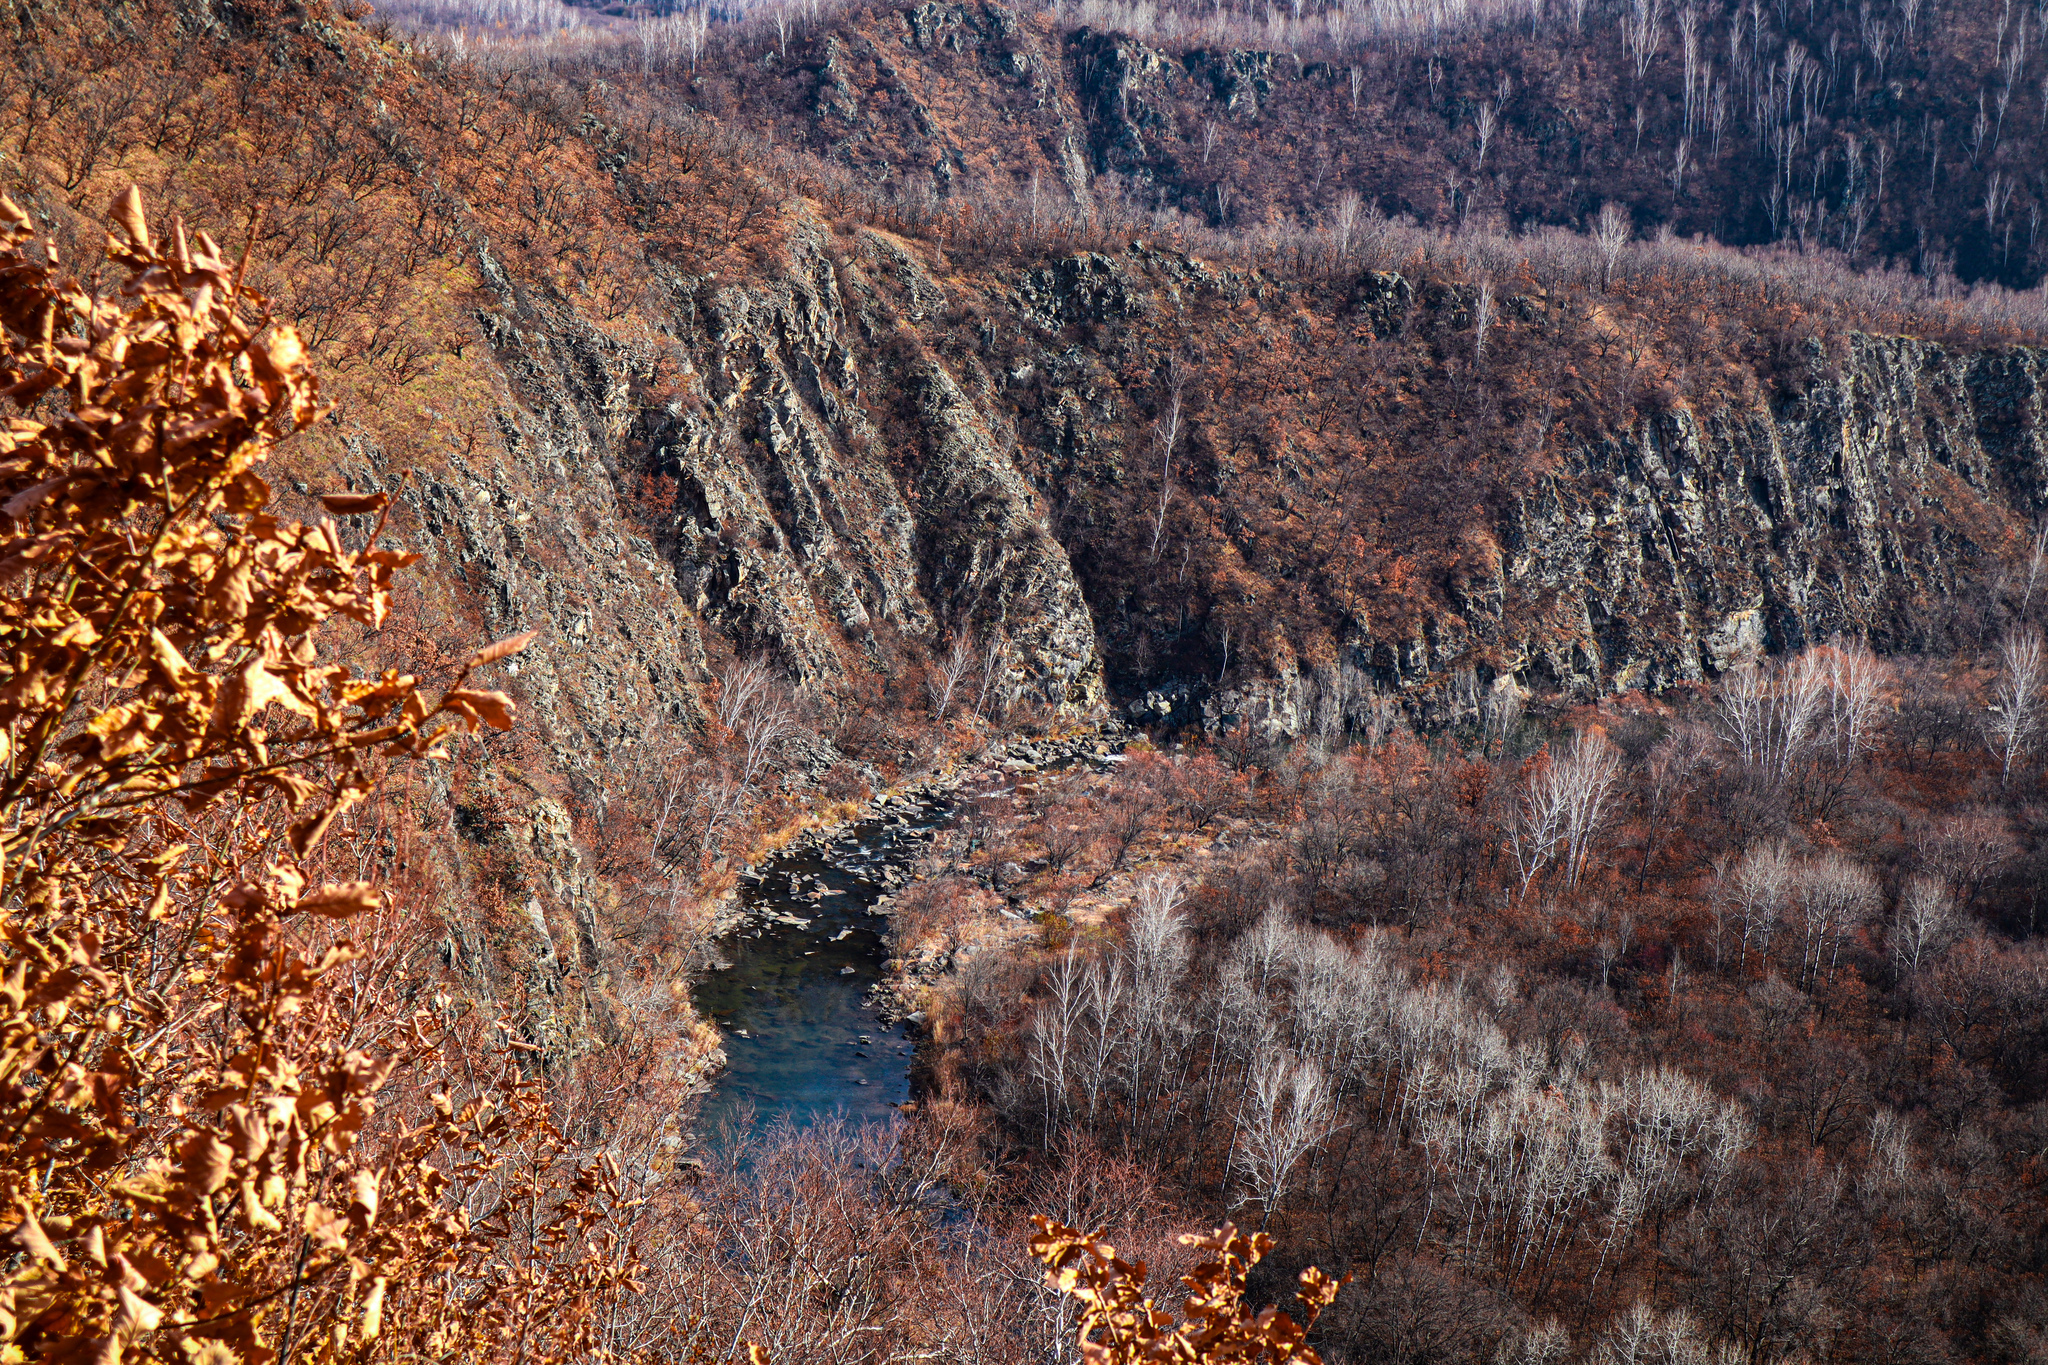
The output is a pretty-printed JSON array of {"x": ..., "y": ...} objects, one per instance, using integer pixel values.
[
  {"x": 204, "y": 1155},
  {"x": 1706, "y": 1022},
  {"x": 1687, "y": 1021}
]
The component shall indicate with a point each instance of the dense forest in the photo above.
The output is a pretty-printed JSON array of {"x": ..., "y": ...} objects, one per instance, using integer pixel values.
[{"x": 1538, "y": 506}]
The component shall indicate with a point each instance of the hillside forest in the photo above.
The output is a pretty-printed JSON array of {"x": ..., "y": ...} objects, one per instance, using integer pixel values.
[{"x": 1520, "y": 521}]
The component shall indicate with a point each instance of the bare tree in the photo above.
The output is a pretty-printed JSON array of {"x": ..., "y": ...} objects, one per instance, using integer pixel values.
[
  {"x": 1564, "y": 807},
  {"x": 1853, "y": 681},
  {"x": 1482, "y": 317},
  {"x": 2013, "y": 716},
  {"x": 756, "y": 708},
  {"x": 1644, "y": 1336},
  {"x": 1642, "y": 29},
  {"x": 1610, "y": 235},
  {"x": 762, "y": 727},
  {"x": 1768, "y": 714},
  {"x": 1051, "y": 1044},
  {"x": 740, "y": 684},
  {"x": 1500, "y": 715},
  {"x": 1167, "y": 433},
  {"x": 1924, "y": 925},
  {"x": 1287, "y": 1114},
  {"x": 1587, "y": 777},
  {"x": 2037, "y": 561},
  {"x": 949, "y": 671},
  {"x": 1536, "y": 825},
  {"x": 1156, "y": 953},
  {"x": 1613, "y": 947},
  {"x": 995, "y": 664},
  {"x": 1757, "y": 892},
  {"x": 1382, "y": 713},
  {"x": 1836, "y": 897},
  {"x": 1344, "y": 219},
  {"x": 1103, "y": 1032}
]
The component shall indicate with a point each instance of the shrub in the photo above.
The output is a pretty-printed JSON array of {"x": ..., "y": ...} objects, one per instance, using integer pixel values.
[{"x": 191, "y": 1155}]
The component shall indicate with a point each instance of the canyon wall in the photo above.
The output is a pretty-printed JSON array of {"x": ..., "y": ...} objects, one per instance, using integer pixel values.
[{"x": 881, "y": 439}]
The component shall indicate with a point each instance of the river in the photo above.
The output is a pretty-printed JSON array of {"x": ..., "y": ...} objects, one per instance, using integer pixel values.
[{"x": 801, "y": 1040}]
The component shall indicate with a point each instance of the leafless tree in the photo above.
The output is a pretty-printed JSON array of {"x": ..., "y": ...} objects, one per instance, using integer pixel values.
[
  {"x": 1757, "y": 893},
  {"x": 1064, "y": 833},
  {"x": 1103, "y": 1032},
  {"x": 1925, "y": 924},
  {"x": 1344, "y": 219},
  {"x": 1644, "y": 1336},
  {"x": 1536, "y": 825},
  {"x": 1587, "y": 776},
  {"x": 1768, "y": 715},
  {"x": 1156, "y": 953},
  {"x": 1547, "y": 1343},
  {"x": 1500, "y": 715},
  {"x": 2037, "y": 561},
  {"x": 741, "y": 683},
  {"x": 1853, "y": 681},
  {"x": 995, "y": 664},
  {"x": 764, "y": 719},
  {"x": 1051, "y": 1044},
  {"x": 1836, "y": 897},
  {"x": 1642, "y": 29},
  {"x": 1564, "y": 807},
  {"x": 1287, "y": 1114},
  {"x": 1167, "y": 433},
  {"x": 1482, "y": 317},
  {"x": 1614, "y": 946},
  {"x": 1610, "y": 236},
  {"x": 1381, "y": 714},
  {"x": 2014, "y": 713},
  {"x": 949, "y": 671},
  {"x": 1965, "y": 849}
]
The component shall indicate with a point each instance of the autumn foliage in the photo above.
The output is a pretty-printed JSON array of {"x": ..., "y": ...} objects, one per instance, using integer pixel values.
[
  {"x": 1120, "y": 1326},
  {"x": 203, "y": 1155}
]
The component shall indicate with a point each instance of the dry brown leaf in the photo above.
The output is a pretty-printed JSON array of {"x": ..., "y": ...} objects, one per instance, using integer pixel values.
[{"x": 500, "y": 649}]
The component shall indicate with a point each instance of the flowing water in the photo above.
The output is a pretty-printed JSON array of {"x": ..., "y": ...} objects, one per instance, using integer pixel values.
[{"x": 799, "y": 1039}]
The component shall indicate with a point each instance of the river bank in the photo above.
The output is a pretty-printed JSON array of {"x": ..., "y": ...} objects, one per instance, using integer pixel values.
[{"x": 799, "y": 987}]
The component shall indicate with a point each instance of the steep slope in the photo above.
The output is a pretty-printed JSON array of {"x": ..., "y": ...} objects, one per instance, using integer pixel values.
[
  {"x": 671, "y": 396},
  {"x": 1875, "y": 130},
  {"x": 1572, "y": 507}
]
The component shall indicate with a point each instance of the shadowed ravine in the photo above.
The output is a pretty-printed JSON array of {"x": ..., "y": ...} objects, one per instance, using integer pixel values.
[{"x": 800, "y": 1039}]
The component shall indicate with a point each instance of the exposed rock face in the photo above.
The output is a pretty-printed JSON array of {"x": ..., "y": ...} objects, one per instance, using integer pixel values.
[
  {"x": 841, "y": 460},
  {"x": 827, "y": 485},
  {"x": 1670, "y": 553},
  {"x": 1697, "y": 543},
  {"x": 873, "y": 446},
  {"x": 806, "y": 487}
]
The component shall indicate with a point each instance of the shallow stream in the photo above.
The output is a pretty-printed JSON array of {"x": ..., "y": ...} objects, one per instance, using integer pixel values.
[{"x": 800, "y": 1038}]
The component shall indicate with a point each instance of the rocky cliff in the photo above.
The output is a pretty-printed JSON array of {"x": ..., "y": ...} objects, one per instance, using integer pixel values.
[
  {"x": 882, "y": 439},
  {"x": 669, "y": 394}
]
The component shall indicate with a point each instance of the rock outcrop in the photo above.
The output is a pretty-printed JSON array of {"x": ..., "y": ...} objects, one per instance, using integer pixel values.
[{"x": 846, "y": 454}]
